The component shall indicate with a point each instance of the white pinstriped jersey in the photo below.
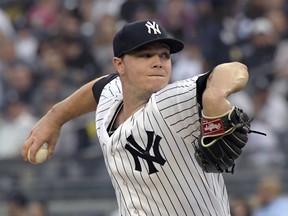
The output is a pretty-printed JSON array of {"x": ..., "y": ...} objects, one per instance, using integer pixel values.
[{"x": 150, "y": 157}]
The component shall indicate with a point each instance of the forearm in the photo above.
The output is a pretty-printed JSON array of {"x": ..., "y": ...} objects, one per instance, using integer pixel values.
[
  {"x": 225, "y": 79},
  {"x": 47, "y": 129}
]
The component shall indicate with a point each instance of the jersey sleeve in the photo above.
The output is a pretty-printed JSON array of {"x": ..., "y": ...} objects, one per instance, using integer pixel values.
[{"x": 100, "y": 84}]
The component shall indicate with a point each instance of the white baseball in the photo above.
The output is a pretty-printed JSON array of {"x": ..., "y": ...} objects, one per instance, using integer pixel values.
[{"x": 41, "y": 155}]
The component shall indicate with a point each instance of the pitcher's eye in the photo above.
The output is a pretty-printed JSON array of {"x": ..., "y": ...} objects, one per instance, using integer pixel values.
[
  {"x": 166, "y": 55},
  {"x": 146, "y": 55}
]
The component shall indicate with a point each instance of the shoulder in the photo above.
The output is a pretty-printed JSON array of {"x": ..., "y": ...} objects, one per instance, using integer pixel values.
[{"x": 103, "y": 82}]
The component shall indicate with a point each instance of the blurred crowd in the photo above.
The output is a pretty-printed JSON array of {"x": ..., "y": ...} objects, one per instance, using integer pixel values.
[
  {"x": 49, "y": 48},
  {"x": 19, "y": 204},
  {"x": 268, "y": 199}
]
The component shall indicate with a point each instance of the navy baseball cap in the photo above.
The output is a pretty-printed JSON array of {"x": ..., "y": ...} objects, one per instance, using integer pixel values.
[{"x": 136, "y": 34}]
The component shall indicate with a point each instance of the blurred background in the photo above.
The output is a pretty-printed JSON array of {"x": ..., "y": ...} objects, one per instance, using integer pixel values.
[{"x": 49, "y": 48}]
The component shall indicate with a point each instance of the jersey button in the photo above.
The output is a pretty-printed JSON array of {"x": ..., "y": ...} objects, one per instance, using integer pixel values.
[{"x": 113, "y": 154}]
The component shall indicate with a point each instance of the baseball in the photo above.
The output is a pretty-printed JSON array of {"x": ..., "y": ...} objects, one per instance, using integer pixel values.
[{"x": 41, "y": 155}]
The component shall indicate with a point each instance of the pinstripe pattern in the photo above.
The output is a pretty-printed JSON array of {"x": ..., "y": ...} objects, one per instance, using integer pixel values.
[{"x": 179, "y": 187}]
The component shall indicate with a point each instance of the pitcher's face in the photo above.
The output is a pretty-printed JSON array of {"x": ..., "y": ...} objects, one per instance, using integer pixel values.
[{"x": 148, "y": 69}]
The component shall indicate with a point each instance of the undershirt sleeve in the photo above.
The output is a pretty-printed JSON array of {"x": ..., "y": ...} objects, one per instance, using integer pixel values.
[
  {"x": 100, "y": 84},
  {"x": 201, "y": 85}
]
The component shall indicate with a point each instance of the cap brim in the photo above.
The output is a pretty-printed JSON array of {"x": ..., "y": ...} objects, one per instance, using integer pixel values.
[{"x": 174, "y": 44}]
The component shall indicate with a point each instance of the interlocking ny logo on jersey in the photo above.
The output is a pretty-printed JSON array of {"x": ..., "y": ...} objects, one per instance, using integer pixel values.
[
  {"x": 138, "y": 151},
  {"x": 153, "y": 26}
]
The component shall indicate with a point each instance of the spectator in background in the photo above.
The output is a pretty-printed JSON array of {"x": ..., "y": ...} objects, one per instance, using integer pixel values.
[
  {"x": 189, "y": 63},
  {"x": 279, "y": 19},
  {"x": 42, "y": 15},
  {"x": 6, "y": 26},
  {"x": 1, "y": 95},
  {"x": 51, "y": 63},
  {"x": 15, "y": 126},
  {"x": 17, "y": 204},
  {"x": 37, "y": 208},
  {"x": 252, "y": 10},
  {"x": 276, "y": 5},
  {"x": 131, "y": 9},
  {"x": 75, "y": 48},
  {"x": 240, "y": 207},
  {"x": 178, "y": 17},
  {"x": 268, "y": 102},
  {"x": 102, "y": 8},
  {"x": 25, "y": 43},
  {"x": 211, "y": 30},
  {"x": 16, "y": 10},
  {"x": 19, "y": 80},
  {"x": 8, "y": 54},
  {"x": 263, "y": 153},
  {"x": 270, "y": 199},
  {"x": 266, "y": 153},
  {"x": 106, "y": 27},
  {"x": 261, "y": 45}
]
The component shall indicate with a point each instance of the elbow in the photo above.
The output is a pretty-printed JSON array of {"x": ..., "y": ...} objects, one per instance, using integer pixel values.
[
  {"x": 241, "y": 71},
  {"x": 236, "y": 69},
  {"x": 240, "y": 67},
  {"x": 232, "y": 66}
]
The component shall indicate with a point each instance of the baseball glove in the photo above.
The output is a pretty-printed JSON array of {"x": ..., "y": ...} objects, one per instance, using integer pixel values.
[{"x": 221, "y": 140}]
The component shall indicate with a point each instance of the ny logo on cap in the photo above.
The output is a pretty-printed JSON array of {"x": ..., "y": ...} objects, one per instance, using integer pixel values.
[{"x": 153, "y": 26}]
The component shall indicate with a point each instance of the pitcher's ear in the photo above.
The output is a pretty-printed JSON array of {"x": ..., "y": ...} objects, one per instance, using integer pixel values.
[{"x": 118, "y": 64}]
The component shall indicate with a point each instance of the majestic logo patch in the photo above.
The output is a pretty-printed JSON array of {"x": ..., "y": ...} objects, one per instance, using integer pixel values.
[
  {"x": 138, "y": 152},
  {"x": 153, "y": 26}
]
